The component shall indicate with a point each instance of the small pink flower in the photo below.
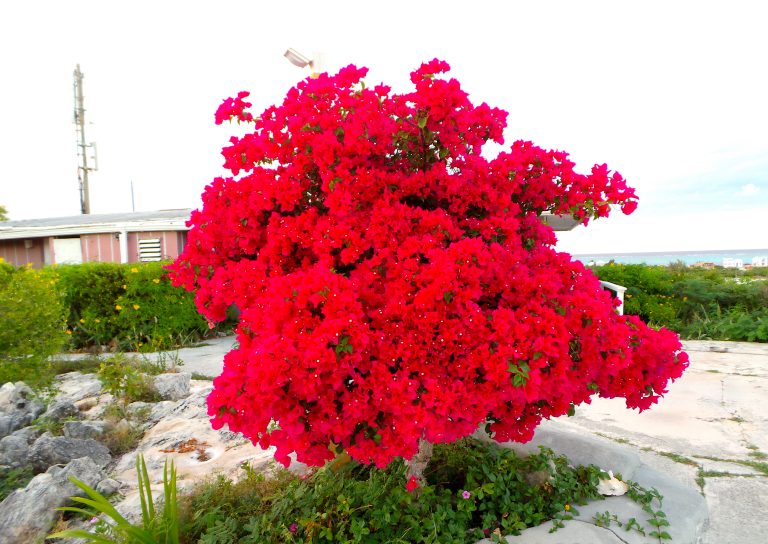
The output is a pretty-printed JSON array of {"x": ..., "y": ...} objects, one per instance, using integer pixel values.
[
  {"x": 465, "y": 494},
  {"x": 293, "y": 528}
]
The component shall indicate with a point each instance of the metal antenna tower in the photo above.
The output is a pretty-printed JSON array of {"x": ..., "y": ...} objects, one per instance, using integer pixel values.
[{"x": 82, "y": 169}]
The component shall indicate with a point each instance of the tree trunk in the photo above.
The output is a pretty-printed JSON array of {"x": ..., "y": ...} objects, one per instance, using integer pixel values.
[{"x": 419, "y": 462}]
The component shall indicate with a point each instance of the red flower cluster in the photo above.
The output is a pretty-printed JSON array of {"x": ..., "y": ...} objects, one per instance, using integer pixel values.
[{"x": 393, "y": 284}]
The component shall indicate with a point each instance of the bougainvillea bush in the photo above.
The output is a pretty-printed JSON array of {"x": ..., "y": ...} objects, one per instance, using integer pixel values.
[{"x": 395, "y": 285}]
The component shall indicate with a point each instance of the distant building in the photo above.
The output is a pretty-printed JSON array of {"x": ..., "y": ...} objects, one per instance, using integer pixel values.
[
  {"x": 733, "y": 263},
  {"x": 760, "y": 261},
  {"x": 704, "y": 264},
  {"x": 118, "y": 238}
]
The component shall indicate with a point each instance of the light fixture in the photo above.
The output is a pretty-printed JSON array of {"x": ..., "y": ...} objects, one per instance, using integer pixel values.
[{"x": 297, "y": 59}]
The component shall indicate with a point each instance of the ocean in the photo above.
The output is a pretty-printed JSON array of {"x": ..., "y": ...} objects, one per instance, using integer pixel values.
[{"x": 668, "y": 257}]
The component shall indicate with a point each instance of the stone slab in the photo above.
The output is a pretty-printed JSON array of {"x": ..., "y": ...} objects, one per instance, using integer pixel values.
[
  {"x": 574, "y": 532},
  {"x": 739, "y": 510}
]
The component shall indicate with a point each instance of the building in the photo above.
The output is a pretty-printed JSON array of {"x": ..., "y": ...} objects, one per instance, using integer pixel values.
[
  {"x": 760, "y": 261},
  {"x": 728, "y": 262},
  {"x": 118, "y": 238}
]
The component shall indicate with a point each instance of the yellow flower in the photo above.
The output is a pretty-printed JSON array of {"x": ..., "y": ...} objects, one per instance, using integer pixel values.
[
  {"x": 134, "y": 270},
  {"x": 69, "y": 332},
  {"x": 685, "y": 298},
  {"x": 156, "y": 280},
  {"x": 125, "y": 286},
  {"x": 97, "y": 320},
  {"x": 136, "y": 306},
  {"x": 629, "y": 296},
  {"x": 118, "y": 307},
  {"x": 567, "y": 507},
  {"x": 82, "y": 321}
]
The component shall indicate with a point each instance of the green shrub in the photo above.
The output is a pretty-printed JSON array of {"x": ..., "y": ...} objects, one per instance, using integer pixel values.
[
  {"x": 719, "y": 304},
  {"x": 32, "y": 323},
  {"x": 90, "y": 291},
  {"x": 154, "y": 315},
  {"x": 122, "y": 379},
  {"x": 472, "y": 489},
  {"x": 128, "y": 307}
]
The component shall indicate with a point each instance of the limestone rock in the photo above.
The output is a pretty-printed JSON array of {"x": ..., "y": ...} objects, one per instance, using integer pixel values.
[
  {"x": 14, "y": 451},
  {"x": 53, "y": 450},
  {"x": 27, "y": 515},
  {"x": 108, "y": 487},
  {"x": 61, "y": 409},
  {"x": 173, "y": 386},
  {"x": 30, "y": 434},
  {"x": 75, "y": 386},
  {"x": 18, "y": 407},
  {"x": 85, "y": 429}
]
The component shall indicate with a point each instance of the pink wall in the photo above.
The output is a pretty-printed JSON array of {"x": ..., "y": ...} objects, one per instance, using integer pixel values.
[
  {"x": 171, "y": 243},
  {"x": 102, "y": 247},
  {"x": 15, "y": 252}
]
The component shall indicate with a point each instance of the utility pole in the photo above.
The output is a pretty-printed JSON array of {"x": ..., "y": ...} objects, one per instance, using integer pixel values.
[{"x": 82, "y": 169}]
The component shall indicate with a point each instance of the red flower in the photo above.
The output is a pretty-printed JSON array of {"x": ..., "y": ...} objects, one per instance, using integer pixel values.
[
  {"x": 412, "y": 484},
  {"x": 393, "y": 284}
]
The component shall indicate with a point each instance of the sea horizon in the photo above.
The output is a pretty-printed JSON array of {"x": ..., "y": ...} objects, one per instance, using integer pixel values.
[{"x": 688, "y": 257}]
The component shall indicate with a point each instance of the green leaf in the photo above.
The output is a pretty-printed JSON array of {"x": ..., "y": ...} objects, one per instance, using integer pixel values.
[
  {"x": 571, "y": 410},
  {"x": 520, "y": 372},
  {"x": 343, "y": 346}
]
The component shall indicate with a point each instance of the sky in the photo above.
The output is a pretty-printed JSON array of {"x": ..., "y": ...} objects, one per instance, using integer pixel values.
[{"x": 674, "y": 95}]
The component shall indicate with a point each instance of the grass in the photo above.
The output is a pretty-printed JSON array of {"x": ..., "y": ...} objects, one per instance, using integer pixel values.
[
  {"x": 677, "y": 458},
  {"x": 14, "y": 478},
  {"x": 85, "y": 365}
]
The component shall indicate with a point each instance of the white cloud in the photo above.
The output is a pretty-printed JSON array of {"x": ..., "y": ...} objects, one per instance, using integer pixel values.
[{"x": 749, "y": 189}]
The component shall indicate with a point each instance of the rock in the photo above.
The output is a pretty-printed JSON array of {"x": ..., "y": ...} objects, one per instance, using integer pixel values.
[
  {"x": 108, "y": 487},
  {"x": 14, "y": 451},
  {"x": 18, "y": 407},
  {"x": 85, "y": 429},
  {"x": 74, "y": 386},
  {"x": 15, "y": 397},
  {"x": 27, "y": 515},
  {"x": 173, "y": 386},
  {"x": 53, "y": 450},
  {"x": 30, "y": 434},
  {"x": 61, "y": 409}
]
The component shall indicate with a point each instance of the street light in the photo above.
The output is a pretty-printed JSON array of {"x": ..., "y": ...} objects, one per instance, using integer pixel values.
[
  {"x": 297, "y": 59},
  {"x": 302, "y": 61}
]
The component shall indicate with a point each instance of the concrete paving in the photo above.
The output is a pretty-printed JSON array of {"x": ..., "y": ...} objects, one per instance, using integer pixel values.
[{"x": 709, "y": 435}]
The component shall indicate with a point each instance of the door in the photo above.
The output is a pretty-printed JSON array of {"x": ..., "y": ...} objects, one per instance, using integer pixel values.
[{"x": 67, "y": 251}]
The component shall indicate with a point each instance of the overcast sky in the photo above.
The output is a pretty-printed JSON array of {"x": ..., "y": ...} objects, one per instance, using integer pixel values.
[{"x": 674, "y": 95}]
